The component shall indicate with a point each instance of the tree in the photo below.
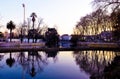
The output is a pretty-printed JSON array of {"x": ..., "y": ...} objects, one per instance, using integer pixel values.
[
  {"x": 40, "y": 21},
  {"x": 10, "y": 61},
  {"x": 94, "y": 23},
  {"x": 107, "y": 4},
  {"x": 52, "y": 37},
  {"x": 33, "y": 15},
  {"x": 10, "y": 26},
  {"x": 43, "y": 29},
  {"x": 115, "y": 17},
  {"x": 1, "y": 35},
  {"x": 113, "y": 6}
]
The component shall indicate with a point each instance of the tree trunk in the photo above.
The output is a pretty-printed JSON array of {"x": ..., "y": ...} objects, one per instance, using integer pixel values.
[
  {"x": 33, "y": 32},
  {"x": 10, "y": 34}
]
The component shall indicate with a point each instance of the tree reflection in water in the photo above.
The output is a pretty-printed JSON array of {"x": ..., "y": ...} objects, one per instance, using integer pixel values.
[
  {"x": 32, "y": 62},
  {"x": 95, "y": 62},
  {"x": 1, "y": 57},
  {"x": 10, "y": 61},
  {"x": 53, "y": 54},
  {"x": 112, "y": 71}
]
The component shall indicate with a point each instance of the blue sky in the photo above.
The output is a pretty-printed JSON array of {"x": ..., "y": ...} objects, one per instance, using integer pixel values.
[{"x": 63, "y": 13}]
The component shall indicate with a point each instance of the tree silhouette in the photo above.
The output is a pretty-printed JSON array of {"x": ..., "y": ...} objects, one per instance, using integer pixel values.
[
  {"x": 107, "y": 4},
  {"x": 114, "y": 7},
  {"x": 10, "y": 61},
  {"x": 1, "y": 35},
  {"x": 94, "y": 23},
  {"x": 33, "y": 15},
  {"x": 115, "y": 17},
  {"x": 10, "y": 26},
  {"x": 52, "y": 37}
]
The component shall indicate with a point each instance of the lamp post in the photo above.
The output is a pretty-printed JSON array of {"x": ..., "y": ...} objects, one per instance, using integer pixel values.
[
  {"x": 22, "y": 34},
  {"x": 23, "y": 14}
]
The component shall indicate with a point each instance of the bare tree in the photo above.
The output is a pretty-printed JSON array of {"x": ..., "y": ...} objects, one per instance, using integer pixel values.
[
  {"x": 43, "y": 29},
  {"x": 94, "y": 23},
  {"x": 40, "y": 21},
  {"x": 107, "y": 4}
]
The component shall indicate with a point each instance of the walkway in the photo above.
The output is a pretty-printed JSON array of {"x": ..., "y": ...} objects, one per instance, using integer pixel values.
[{"x": 11, "y": 47}]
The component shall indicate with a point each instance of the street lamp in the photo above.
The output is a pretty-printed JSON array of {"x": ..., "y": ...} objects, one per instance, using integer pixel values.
[
  {"x": 23, "y": 13},
  {"x": 23, "y": 5}
]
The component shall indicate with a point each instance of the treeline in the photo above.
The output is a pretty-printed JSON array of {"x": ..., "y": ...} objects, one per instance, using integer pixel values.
[{"x": 106, "y": 17}]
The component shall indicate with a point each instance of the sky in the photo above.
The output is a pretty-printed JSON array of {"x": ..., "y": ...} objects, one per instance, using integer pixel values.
[{"x": 63, "y": 13}]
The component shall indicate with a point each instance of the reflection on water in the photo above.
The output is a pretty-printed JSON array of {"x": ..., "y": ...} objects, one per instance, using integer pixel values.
[
  {"x": 10, "y": 61},
  {"x": 60, "y": 65},
  {"x": 33, "y": 61},
  {"x": 96, "y": 63}
]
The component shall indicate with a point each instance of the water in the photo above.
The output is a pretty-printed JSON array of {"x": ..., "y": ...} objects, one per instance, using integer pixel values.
[{"x": 57, "y": 64}]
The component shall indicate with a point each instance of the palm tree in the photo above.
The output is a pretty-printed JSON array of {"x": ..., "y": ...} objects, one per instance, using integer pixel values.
[
  {"x": 33, "y": 15},
  {"x": 10, "y": 26},
  {"x": 10, "y": 61}
]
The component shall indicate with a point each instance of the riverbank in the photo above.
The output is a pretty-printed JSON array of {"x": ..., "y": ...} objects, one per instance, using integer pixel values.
[
  {"x": 16, "y": 46},
  {"x": 98, "y": 45}
]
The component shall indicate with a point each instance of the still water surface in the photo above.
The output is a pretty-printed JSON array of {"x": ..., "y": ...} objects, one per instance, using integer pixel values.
[{"x": 55, "y": 64}]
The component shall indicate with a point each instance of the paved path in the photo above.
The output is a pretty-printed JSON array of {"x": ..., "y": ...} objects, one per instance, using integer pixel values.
[
  {"x": 7, "y": 47},
  {"x": 18, "y": 44}
]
